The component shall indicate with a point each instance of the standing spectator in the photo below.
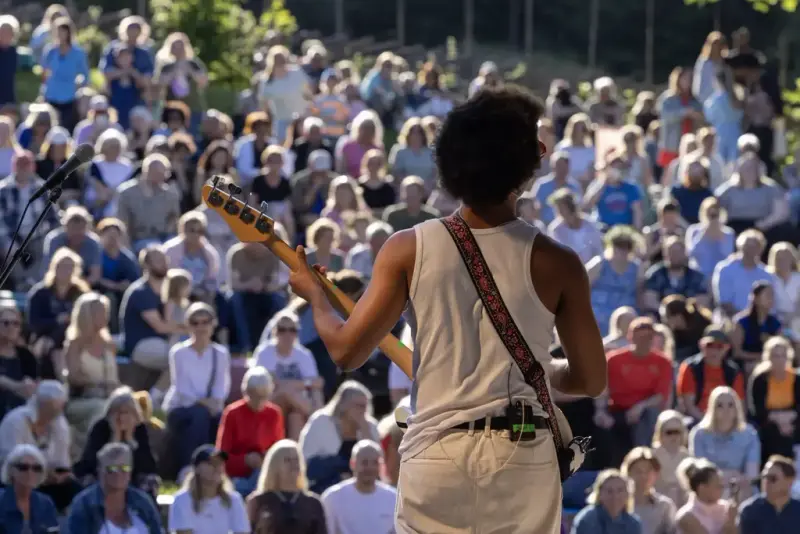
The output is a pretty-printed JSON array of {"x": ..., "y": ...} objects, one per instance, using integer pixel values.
[
  {"x": 148, "y": 206},
  {"x": 201, "y": 382},
  {"x": 22, "y": 508},
  {"x": 366, "y": 133},
  {"x": 281, "y": 502},
  {"x": 710, "y": 241},
  {"x": 412, "y": 155},
  {"x": 773, "y": 399},
  {"x": 488, "y": 76},
  {"x": 362, "y": 504},
  {"x": 561, "y": 104},
  {"x": 679, "y": 112},
  {"x": 76, "y": 235},
  {"x": 616, "y": 200},
  {"x": 322, "y": 240},
  {"x": 298, "y": 386},
  {"x": 656, "y": 512},
  {"x": 774, "y": 509},
  {"x": 109, "y": 170},
  {"x": 700, "y": 375},
  {"x": 610, "y": 505},
  {"x": 706, "y": 509},
  {"x": 753, "y": 325},
  {"x": 207, "y": 503},
  {"x": 19, "y": 369},
  {"x": 191, "y": 251},
  {"x": 410, "y": 210},
  {"x": 572, "y": 228},
  {"x": 709, "y": 63},
  {"x": 66, "y": 69},
  {"x": 735, "y": 276},
  {"x": 725, "y": 438},
  {"x": 380, "y": 89},
  {"x": 669, "y": 448},
  {"x": 248, "y": 429},
  {"x": 9, "y": 31},
  {"x": 361, "y": 257},
  {"x": 283, "y": 88},
  {"x": 44, "y": 33},
  {"x": 113, "y": 505},
  {"x": 142, "y": 318},
  {"x": 723, "y": 111},
  {"x": 544, "y": 187},
  {"x": 783, "y": 263},
  {"x": 178, "y": 70},
  {"x": 673, "y": 276},
  {"x": 8, "y": 143}
]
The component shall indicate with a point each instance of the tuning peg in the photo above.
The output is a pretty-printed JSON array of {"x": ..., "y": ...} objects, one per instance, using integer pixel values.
[
  {"x": 234, "y": 189},
  {"x": 247, "y": 216},
  {"x": 264, "y": 206},
  {"x": 215, "y": 180},
  {"x": 214, "y": 198}
]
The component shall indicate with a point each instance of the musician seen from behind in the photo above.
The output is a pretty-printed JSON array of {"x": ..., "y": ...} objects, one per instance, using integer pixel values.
[{"x": 479, "y": 452}]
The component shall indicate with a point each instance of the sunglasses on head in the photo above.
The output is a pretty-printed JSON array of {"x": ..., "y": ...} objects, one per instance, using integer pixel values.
[
  {"x": 24, "y": 468},
  {"x": 112, "y": 469}
]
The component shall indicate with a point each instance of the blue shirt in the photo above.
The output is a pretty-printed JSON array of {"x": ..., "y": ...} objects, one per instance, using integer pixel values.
[
  {"x": 122, "y": 267},
  {"x": 138, "y": 298},
  {"x": 691, "y": 284},
  {"x": 90, "y": 250},
  {"x": 756, "y": 334},
  {"x": 546, "y": 186},
  {"x": 689, "y": 201},
  {"x": 758, "y": 516},
  {"x": 8, "y": 73},
  {"x": 615, "y": 204},
  {"x": 732, "y": 282},
  {"x": 62, "y": 84},
  {"x": 595, "y": 520},
  {"x": 43, "y": 515},
  {"x": 87, "y": 512}
]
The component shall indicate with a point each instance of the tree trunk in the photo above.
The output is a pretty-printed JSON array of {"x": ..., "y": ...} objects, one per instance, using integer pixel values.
[
  {"x": 528, "y": 27},
  {"x": 718, "y": 15},
  {"x": 594, "y": 25},
  {"x": 469, "y": 26},
  {"x": 339, "y": 17},
  {"x": 513, "y": 22},
  {"x": 649, "y": 38},
  {"x": 401, "y": 21}
]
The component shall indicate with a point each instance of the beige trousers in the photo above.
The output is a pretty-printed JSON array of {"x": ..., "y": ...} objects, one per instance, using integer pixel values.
[{"x": 480, "y": 482}]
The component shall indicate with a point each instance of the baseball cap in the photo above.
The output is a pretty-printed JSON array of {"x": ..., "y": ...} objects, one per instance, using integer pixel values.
[
  {"x": 715, "y": 333},
  {"x": 204, "y": 453}
]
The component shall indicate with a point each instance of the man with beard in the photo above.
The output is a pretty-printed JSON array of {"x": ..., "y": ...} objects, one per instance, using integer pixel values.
[{"x": 146, "y": 328}]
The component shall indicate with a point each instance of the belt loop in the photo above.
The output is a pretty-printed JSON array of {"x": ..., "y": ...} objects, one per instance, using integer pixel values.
[
  {"x": 471, "y": 431},
  {"x": 487, "y": 426}
]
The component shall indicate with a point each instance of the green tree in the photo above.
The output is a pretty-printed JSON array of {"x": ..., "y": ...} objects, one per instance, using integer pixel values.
[{"x": 762, "y": 6}]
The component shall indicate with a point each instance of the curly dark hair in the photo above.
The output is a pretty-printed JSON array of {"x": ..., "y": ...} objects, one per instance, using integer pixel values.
[{"x": 488, "y": 147}]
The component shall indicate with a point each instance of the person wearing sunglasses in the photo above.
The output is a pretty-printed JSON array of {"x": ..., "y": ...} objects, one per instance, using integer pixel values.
[
  {"x": 22, "y": 509},
  {"x": 669, "y": 448},
  {"x": 19, "y": 369},
  {"x": 113, "y": 505},
  {"x": 774, "y": 510}
]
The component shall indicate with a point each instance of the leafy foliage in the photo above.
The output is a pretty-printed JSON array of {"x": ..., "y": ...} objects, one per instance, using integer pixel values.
[
  {"x": 91, "y": 37},
  {"x": 762, "y": 6}
]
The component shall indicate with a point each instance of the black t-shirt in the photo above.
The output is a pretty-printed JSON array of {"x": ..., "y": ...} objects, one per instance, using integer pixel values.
[
  {"x": 23, "y": 365},
  {"x": 263, "y": 192},
  {"x": 379, "y": 197}
]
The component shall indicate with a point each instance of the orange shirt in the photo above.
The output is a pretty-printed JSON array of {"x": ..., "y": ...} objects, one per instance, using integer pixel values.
[
  {"x": 712, "y": 377},
  {"x": 632, "y": 379}
]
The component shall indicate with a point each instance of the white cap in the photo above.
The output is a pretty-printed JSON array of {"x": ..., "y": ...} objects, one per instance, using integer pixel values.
[
  {"x": 320, "y": 160},
  {"x": 58, "y": 136},
  {"x": 98, "y": 103}
]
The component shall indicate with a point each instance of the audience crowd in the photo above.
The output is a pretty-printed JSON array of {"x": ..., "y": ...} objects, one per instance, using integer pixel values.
[{"x": 141, "y": 344}]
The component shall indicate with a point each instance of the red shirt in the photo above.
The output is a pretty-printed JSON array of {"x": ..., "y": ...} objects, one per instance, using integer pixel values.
[
  {"x": 242, "y": 431},
  {"x": 632, "y": 379}
]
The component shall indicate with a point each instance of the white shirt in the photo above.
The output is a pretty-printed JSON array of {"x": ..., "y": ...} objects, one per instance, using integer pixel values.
[
  {"x": 137, "y": 527},
  {"x": 348, "y": 511},
  {"x": 360, "y": 259},
  {"x": 298, "y": 365},
  {"x": 15, "y": 429},
  {"x": 787, "y": 294},
  {"x": 191, "y": 374},
  {"x": 214, "y": 517}
]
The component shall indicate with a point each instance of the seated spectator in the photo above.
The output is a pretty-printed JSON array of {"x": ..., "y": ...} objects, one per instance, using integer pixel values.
[
  {"x": 207, "y": 503},
  {"x": 615, "y": 276},
  {"x": 411, "y": 210},
  {"x": 8, "y": 143},
  {"x": 725, "y": 438},
  {"x": 112, "y": 504},
  {"x": 773, "y": 399},
  {"x": 619, "y": 325},
  {"x": 783, "y": 263},
  {"x": 610, "y": 505},
  {"x": 22, "y": 508},
  {"x": 100, "y": 118},
  {"x": 572, "y": 228},
  {"x": 142, "y": 318},
  {"x": 148, "y": 206},
  {"x": 200, "y": 372},
  {"x": 669, "y": 448},
  {"x": 412, "y": 155},
  {"x": 191, "y": 251},
  {"x": 774, "y": 509},
  {"x": 544, "y": 187},
  {"x": 298, "y": 386},
  {"x": 668, "y": 224},
  {"x": 706, "y": 510},
  {"x": 257, "y": 282},
  {"x": 614, "y": 199},
  {"x": 256, "y": 137},
  {"x": 710, "y": 241},
  {"x": 366, "y": 132},
  {"x": 656, "y": 512},
  {"x": 181, "y": 151},
  {"x": 707, "y": 150},
  {"x": 634, "y": 405},
  {"x": 362, "y": 504},
  {"x": 56, "y": 150},
  {"x": 50, "y": 304},
  {"x": 361, "y": 257},
  {"x": 313, "y": 138},
  {"x": 248, "y": 429},
  {"x": 734, "y": 277},
  {"x": 673, "y": 276},
  {"x": 109, "y": 170},
  {"x": 310, "y": 188},
  {"x": 76, "y": 235},
  {"x": 119, "y": 268},
  {"x": 281, "y": 502},
  {"x": 175, "y": 293},
  {"x": 322, "y": 239},
  {"x": 121, "y": 423},
  {"x": 330, "y": 435},
  {"x": 687, "y": 321},
  {"x": 272, "y": 186},
  {"x": 91, "y": 363},
  {"x": 19, "y": 369},
  {"x": 664, "y": 342},
  {"x": 41, "y": 423},
  {"x": 391, "y": 435},
  {"x": 700, "y": 375},
  {"x": 604, "y": 106},
  {"x": 693, "y": 189},
  {"x": 344, "y": 195},
  {"x": 377, "y": 187},
  {"x": 754, "y": 324}
]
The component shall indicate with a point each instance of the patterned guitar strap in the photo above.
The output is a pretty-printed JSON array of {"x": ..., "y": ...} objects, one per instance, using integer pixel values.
[{"x": 571, "y": 455}]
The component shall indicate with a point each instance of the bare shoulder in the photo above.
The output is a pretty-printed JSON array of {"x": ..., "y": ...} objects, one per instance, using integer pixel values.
[
  {"x": 399, "y": 253},
  {"x": 554, "y": 267}
]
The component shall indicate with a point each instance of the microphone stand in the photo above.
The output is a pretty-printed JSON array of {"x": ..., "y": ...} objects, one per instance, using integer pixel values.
[{"x": 52, "y": 197}]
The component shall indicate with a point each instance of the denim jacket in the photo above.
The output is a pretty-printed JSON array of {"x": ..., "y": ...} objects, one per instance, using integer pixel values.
[
  {"x": 43, "y": 515},
  {"x": 88, "y": 514}
]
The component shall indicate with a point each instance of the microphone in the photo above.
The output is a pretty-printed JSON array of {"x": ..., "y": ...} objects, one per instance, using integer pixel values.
[{"x": 83, "y": 154}]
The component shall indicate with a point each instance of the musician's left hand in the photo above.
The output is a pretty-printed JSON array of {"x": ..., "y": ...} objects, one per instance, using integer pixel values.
[{"x": 304, "y": 282}]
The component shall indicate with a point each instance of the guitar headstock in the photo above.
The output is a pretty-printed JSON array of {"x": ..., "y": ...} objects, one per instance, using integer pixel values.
[{"x": 249, "y": 224}]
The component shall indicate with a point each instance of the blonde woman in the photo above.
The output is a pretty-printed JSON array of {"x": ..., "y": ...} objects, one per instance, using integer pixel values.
[
  {"x": 283, "y": 89},
  {"x": 8, "y": 145},
  {"x": 618, "y": 325},
  {"x": 609, "y": 503},
  {"x": 207, "y": 502},
  {"x": 412, "y": 155},
  {"x": 706, "y": 512},
  {"x": 669, "y": 448},
  {"x": 656, "y": 512},
  {"x": 366, "y": 133},
  {"x": 90, "y": 356},
  {"x": 281, "y": 501},
  {"x": 638, "y": 165},
  {"x": 175, "y": 293},
  {"x": 783, "y": 263},
  {"x": 344, "y": 195},
  {"x": 678, "y": 113},
  {"x": 378, "y": 188},
  {"x": 109, "y": 170},
  {"x": 710, "y": 241},
  {"x": 579, "y": 145},
  {"x": 177, "y": 67},
  {"x": 664, "y": 342},
  {"x": 773, "y": 399},
  {"x": 33, "y": 132},
  {"x": 323, "y": 238},
  {"x": 708, "y": 65},
  {"x": 43, "y": 34},
  {"x": 725, "y": 438},
  {"x": 675, "y": 170}
]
